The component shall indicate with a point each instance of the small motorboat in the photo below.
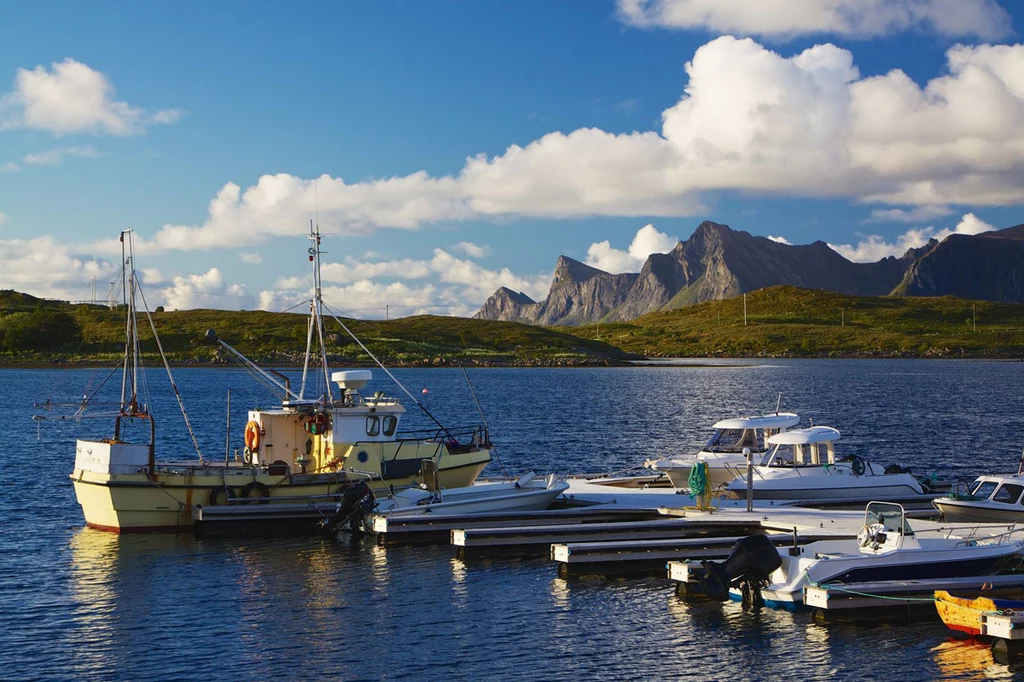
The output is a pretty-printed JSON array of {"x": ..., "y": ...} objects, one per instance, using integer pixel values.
[
  {"x": 886, "y": 548},
  {"x": 802, "y": 465},
  {"x": 724, "y": 452},
  {"x": 993, "y": 498},
  {"x": 527, "y": 493},
  {"x": 967, "y": 614}
]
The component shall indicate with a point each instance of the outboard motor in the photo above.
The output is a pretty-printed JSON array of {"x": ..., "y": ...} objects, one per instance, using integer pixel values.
[
  {"x": 748, "y": 566},
  {"x": 355, "y": 502}
]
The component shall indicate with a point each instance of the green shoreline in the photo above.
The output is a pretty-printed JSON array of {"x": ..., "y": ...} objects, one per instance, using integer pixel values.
[{"x": 773, "y": 323}]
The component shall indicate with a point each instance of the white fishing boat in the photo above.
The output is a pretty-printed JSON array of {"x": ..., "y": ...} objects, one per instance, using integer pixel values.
[
  {"x": 886, "y": 549},
  {"x": 724, "y": 453},
  {"x": 527, "y": 493},
  {"x": 992, "y": 498},
  {"x": 802, "y": 465},
  {"x": 308, "y": 448}
]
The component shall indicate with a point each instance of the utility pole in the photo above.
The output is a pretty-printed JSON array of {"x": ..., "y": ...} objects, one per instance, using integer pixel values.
[
  {"x": 744, "y": 310},
  {"x": 386, "y": 306},
  {"x": 974, "y": 316},
  {"x": 842, "y": 317}
]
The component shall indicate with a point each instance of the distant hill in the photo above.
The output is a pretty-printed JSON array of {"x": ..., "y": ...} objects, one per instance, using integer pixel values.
[
  {"x": 988, "y": 266},
  {"x": 717, "y": 262}
]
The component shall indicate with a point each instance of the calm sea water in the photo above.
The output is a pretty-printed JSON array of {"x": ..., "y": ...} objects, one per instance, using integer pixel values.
[{"x": 84, "y": 605}]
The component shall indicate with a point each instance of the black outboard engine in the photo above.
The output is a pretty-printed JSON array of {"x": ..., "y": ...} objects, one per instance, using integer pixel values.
[
  {"x": 748, "y": 566},
  {"x": 355, "y": 502}
]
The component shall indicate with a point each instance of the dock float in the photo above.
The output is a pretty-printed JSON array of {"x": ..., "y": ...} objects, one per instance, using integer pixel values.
[
  {"x": 869, "y": 600},
  {"x": 647, "y": 558},
  {"x": 437, "y": 529},
  {"x": 537, "y": 540}
]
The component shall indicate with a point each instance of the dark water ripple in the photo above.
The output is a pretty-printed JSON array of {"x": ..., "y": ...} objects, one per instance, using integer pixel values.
[{"x": 83, "y": 605}]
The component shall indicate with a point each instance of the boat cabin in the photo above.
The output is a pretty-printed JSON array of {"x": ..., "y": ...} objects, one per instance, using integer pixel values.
[
  {"x": 732, "y": 435},
  {"x": 1006, "y": 489},
  {"x": 814, "y": 446},
  {"x": 310, "y": 436}
]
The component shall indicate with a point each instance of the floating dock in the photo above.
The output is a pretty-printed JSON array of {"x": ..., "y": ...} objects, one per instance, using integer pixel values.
[{"x": 438, "y": 529}]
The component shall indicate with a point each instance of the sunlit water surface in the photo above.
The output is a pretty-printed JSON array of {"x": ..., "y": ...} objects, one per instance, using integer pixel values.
[{"x": 85, "y": 605}]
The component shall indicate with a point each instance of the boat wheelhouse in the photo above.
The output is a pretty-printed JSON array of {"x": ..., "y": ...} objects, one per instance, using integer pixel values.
[
  {"x": 724, "y": 453},
  {"x": 991, "y": 498},
  {"x": 802, "y": 465}
]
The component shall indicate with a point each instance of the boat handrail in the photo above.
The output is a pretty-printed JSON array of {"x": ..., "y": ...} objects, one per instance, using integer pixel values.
[{"x": 971, "y": 533}]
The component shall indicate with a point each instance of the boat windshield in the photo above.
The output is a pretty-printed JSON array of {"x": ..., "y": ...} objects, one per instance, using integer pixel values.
[
  {"x": 734, "y": 440},
  {"x": 889, "y": 515},
  {"x": 983, "y": 489}
]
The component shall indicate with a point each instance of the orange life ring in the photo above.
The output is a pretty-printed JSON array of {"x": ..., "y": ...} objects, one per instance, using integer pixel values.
[{"x": 252, "y": 436}]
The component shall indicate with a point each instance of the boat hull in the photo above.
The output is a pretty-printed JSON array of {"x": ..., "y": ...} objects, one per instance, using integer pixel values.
[
  {"x": 139, "y": 503},
  {"x": 823, "y": 566},
  {"x": 955, "y": 511},
  {"x": 479, "y": 500},
  {"x": 965, "y": 615},
  {"x": 819, "y": 486}
]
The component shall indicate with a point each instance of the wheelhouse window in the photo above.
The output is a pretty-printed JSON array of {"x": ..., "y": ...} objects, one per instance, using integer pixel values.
[
  {"x": 983, "y": 489},
  {"x": 733, "y": 440},
  {"x": 373, "y": 426},
  {"x": 1008, "y": 493},
  {"x": 390, "y": 424}
]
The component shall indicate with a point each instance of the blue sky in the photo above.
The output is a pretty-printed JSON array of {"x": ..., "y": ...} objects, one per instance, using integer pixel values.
[{"x": 449, "y": 148}]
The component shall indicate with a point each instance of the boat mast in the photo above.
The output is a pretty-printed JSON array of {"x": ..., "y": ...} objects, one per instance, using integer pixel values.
[
  {"x": 316, "y": 320},
  {"x": 129, "y": 378}
]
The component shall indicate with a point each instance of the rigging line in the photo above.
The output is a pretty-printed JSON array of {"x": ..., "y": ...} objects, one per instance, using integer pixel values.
[
  {"x": 487, "y": 428},
  {"x": 256, "y": 370},
  {"x": 88, "y": 398},
  {"x": 170, "y": 376},
  {"x": 388, "y": 372}
]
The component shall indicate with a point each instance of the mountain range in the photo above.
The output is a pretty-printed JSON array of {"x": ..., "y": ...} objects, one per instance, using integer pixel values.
[{"x": 718, "y": 262}]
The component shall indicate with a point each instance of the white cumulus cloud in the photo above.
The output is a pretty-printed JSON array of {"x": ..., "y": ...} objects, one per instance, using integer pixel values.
[
  {"x": 790, "y": 18},
  {"x": 9, "y": 167},
  {"x": 471, "y": 249},
  {"x": 603, "y": 256},
  {"x": 780, "y": 240},
  {"x": 206, "y": 290},
  {"x": 251, "y": 258},
  {"x": 452, "y": 286},
  {"x": 749, "y": 120},
  {"x": 71, "y": 97},
  {"x": 874, "y": 247}
]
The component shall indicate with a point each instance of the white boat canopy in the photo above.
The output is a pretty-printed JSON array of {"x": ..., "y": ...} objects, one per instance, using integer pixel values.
[
  {"x": 815, "y": 434},
  {"x": 778, "y": 420}
]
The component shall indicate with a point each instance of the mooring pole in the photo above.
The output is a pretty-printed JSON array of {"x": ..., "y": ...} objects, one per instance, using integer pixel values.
[
  {"x": 750, "y": 479},
  {"x": 227, "y": 432}
]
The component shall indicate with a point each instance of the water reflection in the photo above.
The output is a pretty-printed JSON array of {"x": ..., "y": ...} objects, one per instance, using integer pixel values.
[{"x": 969, "y": 660}]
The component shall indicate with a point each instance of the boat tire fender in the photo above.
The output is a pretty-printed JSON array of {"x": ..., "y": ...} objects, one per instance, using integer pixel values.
[
  {"x": 247, "y": 457},
  {"x": 255, "y": 493},
  {"x": 220, "y": 496},
  {"x": 858, "y": 466}
]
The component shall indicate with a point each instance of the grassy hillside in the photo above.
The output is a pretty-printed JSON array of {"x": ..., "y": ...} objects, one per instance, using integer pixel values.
[
  {"x": 780, "y": 322},
  {"x": 790, "y": 322},
  {"x": 281, "y": 338}
]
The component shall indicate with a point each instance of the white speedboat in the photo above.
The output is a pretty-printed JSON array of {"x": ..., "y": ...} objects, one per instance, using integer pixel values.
[
  {"x": 992, "y": 498},
  {"x": 886, "y": 549},
  {"x": 802, "y": 465},
  {"x": 527, "y": 493},
  {"x": 723, "y": 453}
]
